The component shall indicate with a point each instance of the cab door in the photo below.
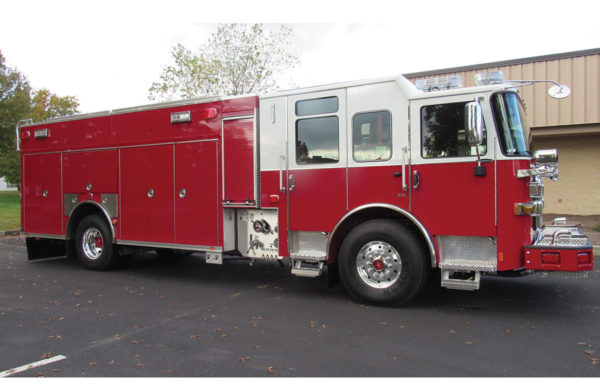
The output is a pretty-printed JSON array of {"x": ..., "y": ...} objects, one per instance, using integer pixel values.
[
  {"x": 447, "y": 194},
  {"x": 316, "y": 160},
  {"x": 377, "y": 146}
]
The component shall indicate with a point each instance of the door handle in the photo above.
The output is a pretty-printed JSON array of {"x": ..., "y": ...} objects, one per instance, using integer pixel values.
[
  {"x": 291, "y": 183},
  {"x": 281, "y": 160},
  {"x": 416, "y": 180},
  {"x": 404, "y": 153}
]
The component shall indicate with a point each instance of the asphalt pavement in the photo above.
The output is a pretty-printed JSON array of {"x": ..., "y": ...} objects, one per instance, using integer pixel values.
[{"x": 160, "y": 317}]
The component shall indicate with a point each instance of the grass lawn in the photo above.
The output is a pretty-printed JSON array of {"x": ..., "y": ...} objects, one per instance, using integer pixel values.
[{"x": 10, "y": 210}]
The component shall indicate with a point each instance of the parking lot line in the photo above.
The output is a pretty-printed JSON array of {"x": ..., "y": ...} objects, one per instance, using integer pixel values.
[{"x": 31, "y": 365}]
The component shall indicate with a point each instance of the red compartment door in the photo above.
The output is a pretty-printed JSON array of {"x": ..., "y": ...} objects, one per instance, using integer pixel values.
[
  {"x": 147, "y": 194},
  {"x": 239, "y": 167},
  {"x": 197, "y": 199},
  {"x": 42, "y": 197}
]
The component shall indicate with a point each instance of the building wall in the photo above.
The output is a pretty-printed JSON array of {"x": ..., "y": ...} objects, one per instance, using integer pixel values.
[
  {"x": 571, "y": 125},
  {"x": 577, "y": 191}
]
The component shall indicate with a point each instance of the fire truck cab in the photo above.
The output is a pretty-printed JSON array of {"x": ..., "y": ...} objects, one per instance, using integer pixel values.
[{"x": 377, "y": 181}]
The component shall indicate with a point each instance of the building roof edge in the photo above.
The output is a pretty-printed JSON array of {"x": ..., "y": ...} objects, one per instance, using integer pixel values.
[{"x": 497, "y": 64}]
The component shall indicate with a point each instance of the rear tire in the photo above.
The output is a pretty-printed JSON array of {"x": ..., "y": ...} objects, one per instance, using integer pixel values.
[
  {"x": 383, "y": 262},
  {"x": 94, "y": 244}
]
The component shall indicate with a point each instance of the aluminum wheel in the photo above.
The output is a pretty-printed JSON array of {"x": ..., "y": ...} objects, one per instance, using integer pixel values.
[
  {"x": 92, "y": 243},
  {"x": 378, "y": 264}
]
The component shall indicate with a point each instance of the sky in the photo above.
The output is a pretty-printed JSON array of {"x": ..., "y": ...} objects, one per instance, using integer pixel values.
[{"x": 107, "y": 53}]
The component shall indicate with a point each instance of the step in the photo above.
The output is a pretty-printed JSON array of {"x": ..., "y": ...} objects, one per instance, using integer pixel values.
[
  {"x": 311, "y": 269},
  {"x": 469, "y": 265},
  {"x": 455, "y": 283}
]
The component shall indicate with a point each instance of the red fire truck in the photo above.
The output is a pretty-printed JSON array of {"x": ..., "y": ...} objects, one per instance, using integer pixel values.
[{"x": 378, "y": 182}]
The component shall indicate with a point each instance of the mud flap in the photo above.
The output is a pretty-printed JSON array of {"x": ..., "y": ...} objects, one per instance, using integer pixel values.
[{"x": 42, "y": 248}]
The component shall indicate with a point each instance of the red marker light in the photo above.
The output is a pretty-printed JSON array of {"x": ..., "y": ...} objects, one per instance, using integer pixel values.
[
  {"x": 209, "y": 113},
  {"x": 25, "y": 135},
  {"x": 273, "y": 198}
]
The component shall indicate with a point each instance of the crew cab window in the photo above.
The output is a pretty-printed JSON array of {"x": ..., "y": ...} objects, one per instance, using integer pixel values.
[
  {"x": 318, "y": 106},
  {"x": 371, "y": 136},
  {"x": 443, "y": 132},
  {"x": 317, "y": 140}
]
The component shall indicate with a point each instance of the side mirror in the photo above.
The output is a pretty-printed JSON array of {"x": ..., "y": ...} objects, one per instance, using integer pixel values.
[
  {"x": 474, "y": 123},
  {"x": 546, "y": 157}
]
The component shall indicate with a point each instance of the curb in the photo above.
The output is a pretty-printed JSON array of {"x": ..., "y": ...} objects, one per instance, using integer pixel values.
[{"x": 10, "y": 233}]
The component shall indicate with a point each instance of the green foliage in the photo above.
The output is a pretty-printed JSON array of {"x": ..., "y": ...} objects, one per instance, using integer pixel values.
[
  {"x": 46, "y": 105},
  {"x": 10, "y": 210},
  {"x": 19, "y": 101},
  {"x": 238, "y": 59}
]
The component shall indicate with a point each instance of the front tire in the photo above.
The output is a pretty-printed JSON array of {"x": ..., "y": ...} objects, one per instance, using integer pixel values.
[
  {"x": 94, "y": 245},
  {"x": 383, "y": 262}
]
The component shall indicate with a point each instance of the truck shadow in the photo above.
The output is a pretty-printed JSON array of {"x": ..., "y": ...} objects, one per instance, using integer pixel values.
[{"x": 534, "y": 293}]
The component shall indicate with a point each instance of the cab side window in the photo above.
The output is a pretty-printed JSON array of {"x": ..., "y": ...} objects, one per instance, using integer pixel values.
[
  {"x": 317, "y": 136},
  {"x": 372, "y": 136},
  {"x": 443, "y": 132}
]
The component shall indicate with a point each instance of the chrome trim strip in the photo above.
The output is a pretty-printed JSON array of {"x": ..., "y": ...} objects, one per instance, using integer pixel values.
[
  {"x": 104, "y": 211},
  {"x": 405, "y": 213},
  {"x": 44, "y": 235},
  {"x": 200, "y": 248},
  {"x": 197, "y": 141},
  {"x": 233, "y": 118}
]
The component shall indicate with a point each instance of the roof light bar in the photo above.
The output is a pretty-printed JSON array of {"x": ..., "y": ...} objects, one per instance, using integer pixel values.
[
  {"x": 489, "y": 78},
  {"x": 439, "y": 83}
]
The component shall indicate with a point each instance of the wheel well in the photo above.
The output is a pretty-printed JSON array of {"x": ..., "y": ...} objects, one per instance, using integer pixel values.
[
  {"x": 82, "y": 211},
  {"x": 371, "y": 213}
]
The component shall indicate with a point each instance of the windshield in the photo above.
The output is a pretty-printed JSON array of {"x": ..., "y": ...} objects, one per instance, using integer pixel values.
[{"x": 513, "y": 130}]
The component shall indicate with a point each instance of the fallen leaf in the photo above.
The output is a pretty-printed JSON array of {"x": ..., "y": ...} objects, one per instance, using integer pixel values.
[
  {"x": 270, "y": 370},
  {"x": 452, "y": 331},
  {"x": 469, "y": 342},
  {"x": 47, "y": 355},
  {"x": 244, "y": 359},
  {"x": 383, "y": 323},
  {"x": 93, "y": 364}
]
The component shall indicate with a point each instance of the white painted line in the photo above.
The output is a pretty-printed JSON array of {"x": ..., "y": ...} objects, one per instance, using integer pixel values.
[{"x": 31, "y": 365}]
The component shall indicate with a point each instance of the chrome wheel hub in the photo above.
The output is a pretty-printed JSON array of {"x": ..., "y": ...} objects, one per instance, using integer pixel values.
[
  {"x": 92, "y": 243},
  {"x": 378, "y": 264}
]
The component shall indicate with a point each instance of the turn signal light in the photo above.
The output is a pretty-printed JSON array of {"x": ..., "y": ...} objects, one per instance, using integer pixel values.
[{"x": 533, "y": 208}]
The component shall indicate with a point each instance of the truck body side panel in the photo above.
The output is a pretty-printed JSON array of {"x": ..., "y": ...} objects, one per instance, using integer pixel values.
[
  {"x": 197, "y": 204},
  {"x": 41, "y": 194}
]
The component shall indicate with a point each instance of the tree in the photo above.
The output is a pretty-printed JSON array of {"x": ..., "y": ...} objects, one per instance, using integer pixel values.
[
  {"x": 46, "y": 105},
  {"x": 19, "y": 101},
  {"x": 238, "y": 59}
]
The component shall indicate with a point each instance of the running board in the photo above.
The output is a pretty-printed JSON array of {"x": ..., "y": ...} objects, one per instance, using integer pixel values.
[
  {"x": 457, "y": 280},
  {"x": 301, "y": 267}
]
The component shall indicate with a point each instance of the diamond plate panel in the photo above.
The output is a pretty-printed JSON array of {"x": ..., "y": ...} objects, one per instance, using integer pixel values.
[{"x": 462, "y": 253}]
